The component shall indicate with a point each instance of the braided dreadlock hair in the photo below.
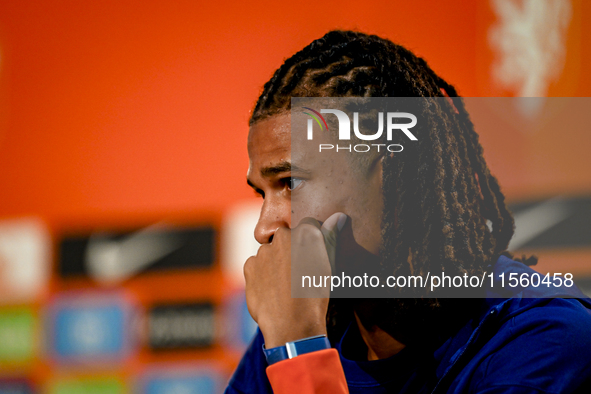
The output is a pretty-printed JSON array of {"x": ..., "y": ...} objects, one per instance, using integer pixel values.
[{"x": 439, "y": 198}]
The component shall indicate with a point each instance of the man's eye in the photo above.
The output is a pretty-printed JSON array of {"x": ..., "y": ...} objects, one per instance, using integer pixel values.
[{"x": 294, "y": 183}]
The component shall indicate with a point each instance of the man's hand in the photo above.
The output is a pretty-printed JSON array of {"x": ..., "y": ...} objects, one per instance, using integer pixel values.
[{"x": 306, "y": 249}]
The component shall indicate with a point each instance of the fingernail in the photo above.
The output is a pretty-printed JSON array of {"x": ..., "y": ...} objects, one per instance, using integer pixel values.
[{"x": 341, "y": 222}]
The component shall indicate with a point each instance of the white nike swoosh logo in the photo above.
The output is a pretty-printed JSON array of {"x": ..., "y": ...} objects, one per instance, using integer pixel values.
[
  {"x": 111, "y": 261},
  {"x": 537, "y": 219}
]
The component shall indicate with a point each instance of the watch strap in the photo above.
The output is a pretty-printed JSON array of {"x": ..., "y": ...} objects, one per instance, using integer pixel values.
[
  {"x": 296, "y": 348},
  {"x": 275, "y": 354}
]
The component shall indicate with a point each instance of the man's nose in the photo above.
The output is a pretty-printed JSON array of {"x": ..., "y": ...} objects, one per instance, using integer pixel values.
[{"x": 274, "y": 215}]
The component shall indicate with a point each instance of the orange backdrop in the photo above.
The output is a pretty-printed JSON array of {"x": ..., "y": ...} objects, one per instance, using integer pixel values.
[{"x": 113, "y": 109}]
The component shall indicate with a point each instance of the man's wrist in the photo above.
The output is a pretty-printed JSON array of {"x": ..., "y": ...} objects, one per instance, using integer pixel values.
[{"x": 279, "y": 334}]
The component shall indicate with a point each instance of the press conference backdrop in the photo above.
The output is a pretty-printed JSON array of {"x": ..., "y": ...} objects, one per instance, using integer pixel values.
[{"x": 124, "y": 213}]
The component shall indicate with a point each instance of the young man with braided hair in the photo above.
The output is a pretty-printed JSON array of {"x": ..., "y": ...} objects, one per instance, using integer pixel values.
[{"x": 421, "y": 212}]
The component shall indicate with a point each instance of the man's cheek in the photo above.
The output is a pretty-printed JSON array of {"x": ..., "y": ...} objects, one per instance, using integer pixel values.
[
  {"x": 317, "y": 201},
  {"x": 300, "y": 208}
]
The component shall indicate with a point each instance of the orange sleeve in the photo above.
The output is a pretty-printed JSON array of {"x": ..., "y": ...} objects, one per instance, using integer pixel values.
[{"x": 315, "y": 372}]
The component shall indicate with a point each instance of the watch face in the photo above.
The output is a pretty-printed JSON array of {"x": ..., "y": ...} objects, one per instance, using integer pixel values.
[{"x": 307, "y": 345}]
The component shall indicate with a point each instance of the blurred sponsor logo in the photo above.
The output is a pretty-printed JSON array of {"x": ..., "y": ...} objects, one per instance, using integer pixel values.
[
  {"x": 237, "y": 241},
  {"x": 88, "y": 386},
  {"x": 181, "y": 385},
  {"x": 16, "y": 386},
  {"x": 17, "y": 335},
  {"x": 25, "y": 249},
  {"x": 90, "y": 328},
  {"x": 114, "y": 257},
  {"x": 584, "y": 285},
  {"x": 529, "y": 38},
  {"x": 555, "y": 223},
  {"x": 181, "y": 326},
  {"x": 182, "y": 379},
  {"x": 239, "y": 328}
]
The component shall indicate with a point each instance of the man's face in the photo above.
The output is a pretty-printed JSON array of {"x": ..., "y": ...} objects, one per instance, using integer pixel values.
[{"x": 296, "y": 181}]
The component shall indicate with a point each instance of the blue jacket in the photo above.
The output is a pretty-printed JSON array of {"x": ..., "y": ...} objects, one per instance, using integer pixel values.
[{"x": 526, "y": 341}]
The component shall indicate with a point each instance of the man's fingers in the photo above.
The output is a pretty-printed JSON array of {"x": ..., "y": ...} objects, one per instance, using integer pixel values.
[
  {"x": 330, "y": 230},
  {"x": 310, "y": 221},
  {"x": 331, "y": 227}
]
